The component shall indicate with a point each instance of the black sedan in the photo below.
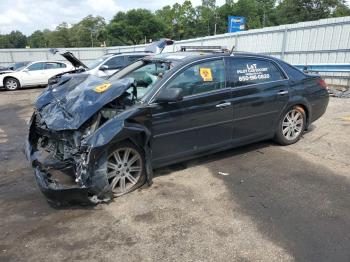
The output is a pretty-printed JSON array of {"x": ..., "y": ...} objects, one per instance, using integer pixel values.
[{"x": 108, "y": 135}]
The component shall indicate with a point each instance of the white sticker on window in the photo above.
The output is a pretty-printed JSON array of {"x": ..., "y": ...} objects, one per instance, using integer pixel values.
[{"x": 252, "y": 72}]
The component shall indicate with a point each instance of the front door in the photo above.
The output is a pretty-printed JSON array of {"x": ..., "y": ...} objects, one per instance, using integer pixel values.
[
  {"x": 202, "y": 121},
  {"x": 34, "y": 75}
]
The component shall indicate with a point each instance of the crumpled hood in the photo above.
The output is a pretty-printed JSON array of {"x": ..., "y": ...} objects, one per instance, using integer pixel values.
[{"x": 73, "y": 100}]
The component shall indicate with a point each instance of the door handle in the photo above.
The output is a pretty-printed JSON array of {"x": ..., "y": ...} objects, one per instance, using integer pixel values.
[
  {"x": 222, "y": 105},
  {"x": 282, "y": 92}
]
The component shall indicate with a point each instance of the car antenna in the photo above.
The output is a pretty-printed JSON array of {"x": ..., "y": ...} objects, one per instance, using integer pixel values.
[{"x": 232, "y": 49}]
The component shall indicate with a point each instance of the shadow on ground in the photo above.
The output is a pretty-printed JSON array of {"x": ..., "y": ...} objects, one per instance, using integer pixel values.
[{"x": 303, "y": 207}]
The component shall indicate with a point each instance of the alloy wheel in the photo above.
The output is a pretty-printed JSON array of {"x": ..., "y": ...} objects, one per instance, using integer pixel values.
[
  {"x": 11, "y": 84},
  {"x": 124, "y": 168},
  {"x": 292, "y": 124}
]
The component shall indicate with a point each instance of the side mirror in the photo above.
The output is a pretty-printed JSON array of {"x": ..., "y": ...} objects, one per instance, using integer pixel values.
[
  {"x": 25, "y": 70},
  {"x": 104, "y": 67},
  {"x": 11, "y": 68},
  {"x": 169, "y": 95}
]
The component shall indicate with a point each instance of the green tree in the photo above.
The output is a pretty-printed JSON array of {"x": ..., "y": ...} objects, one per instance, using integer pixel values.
[
  {"x": 90, "y": 31},
  {"x": 135, "y": 25},
  {"x": 224, "y": 11},
  {"x": 37, "y": 39},
  {"x": 13, "y": 40},
  {"x": 60, "y": 37},
  {"x": 206, "y": 17},
  {"x": 250, "y": 10},
  {"x": 266, "y": 12},
  {"x": 341, "y": 10},
  {"x": 179, "y": 20},
  {"x": 293, "y": 11}
]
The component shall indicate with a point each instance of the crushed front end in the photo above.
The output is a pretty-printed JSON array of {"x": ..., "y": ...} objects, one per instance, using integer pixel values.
[{"x": 65, "y": 170}]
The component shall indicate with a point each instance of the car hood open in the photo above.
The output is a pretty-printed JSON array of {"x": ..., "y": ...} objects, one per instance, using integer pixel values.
[
  {"x": 158, "y": 46},
  {"x": 74, "y": 99},
  {"x": 70, "y": 57}
]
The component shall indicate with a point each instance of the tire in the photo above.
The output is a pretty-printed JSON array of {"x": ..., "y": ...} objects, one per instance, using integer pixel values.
[
  {"x": 120, "y": 167},
  {"x": 11, "y": 84},
  {"x": 291, "y": 126}
]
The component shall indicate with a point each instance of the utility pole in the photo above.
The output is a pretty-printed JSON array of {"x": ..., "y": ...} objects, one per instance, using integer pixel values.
[{"x": 216, "y": 20}]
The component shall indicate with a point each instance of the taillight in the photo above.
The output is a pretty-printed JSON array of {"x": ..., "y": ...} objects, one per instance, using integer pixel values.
[{"x": 323, "y": 84}]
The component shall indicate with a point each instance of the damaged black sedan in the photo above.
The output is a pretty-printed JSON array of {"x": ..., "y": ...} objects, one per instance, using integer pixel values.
[{"x": 108, "y": 135}]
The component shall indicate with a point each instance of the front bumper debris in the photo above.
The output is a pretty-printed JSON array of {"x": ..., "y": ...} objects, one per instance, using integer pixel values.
[{"x": 56, "y": 193}]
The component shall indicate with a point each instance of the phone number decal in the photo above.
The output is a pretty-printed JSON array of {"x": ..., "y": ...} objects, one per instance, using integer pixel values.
[{"x": 253, "y": 77}]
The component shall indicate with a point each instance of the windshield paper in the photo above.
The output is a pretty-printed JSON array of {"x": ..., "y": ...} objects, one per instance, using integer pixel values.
[{"x": 206, "y": 74}]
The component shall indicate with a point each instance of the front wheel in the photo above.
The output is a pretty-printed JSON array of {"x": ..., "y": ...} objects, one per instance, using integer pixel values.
[
  {"x": 291, "y": 126},
  {"x": 125, "y": 168},
  {"x": 11, "y": 84}
]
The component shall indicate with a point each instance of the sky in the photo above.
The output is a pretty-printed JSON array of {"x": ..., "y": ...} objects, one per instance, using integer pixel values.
[{"x": 30, "y": 15}]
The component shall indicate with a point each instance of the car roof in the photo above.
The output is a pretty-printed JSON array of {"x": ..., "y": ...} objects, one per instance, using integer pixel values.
[
  {"x": 55, "y": 61},
  {"x": 189, "y": 56},
  {"x": 130, "y": 53},
  {"x": 21, "y": 62}
]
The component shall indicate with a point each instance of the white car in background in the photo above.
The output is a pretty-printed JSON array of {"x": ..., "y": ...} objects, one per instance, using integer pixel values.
[
  {"x": 33, "y": 74},
  {"x": 108, "y": 64}
]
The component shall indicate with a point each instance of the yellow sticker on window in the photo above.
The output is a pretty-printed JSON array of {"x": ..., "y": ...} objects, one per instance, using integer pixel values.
[
  {"x": 102, "y": 88},
  {"x": 206, "y": 74}
]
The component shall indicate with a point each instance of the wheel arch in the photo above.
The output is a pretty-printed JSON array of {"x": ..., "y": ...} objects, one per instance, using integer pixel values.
[
  {"x": 10, "y": 76},
  {"x": 303, "y": 103},
  {"x": 307, "y": 113},
  {"x": 135, "y": 133}
]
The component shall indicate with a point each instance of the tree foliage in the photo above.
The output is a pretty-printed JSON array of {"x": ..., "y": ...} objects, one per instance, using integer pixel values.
[{"x": 179, "y": 21}]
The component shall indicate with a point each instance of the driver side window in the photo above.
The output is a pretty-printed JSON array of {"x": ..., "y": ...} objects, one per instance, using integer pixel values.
[
  {"x": 36, "y": 66},
  {"x": 201, "y": 78}
]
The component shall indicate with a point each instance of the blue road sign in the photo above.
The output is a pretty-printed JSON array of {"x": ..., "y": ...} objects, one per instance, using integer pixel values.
[{"x": 236, "y": 24}]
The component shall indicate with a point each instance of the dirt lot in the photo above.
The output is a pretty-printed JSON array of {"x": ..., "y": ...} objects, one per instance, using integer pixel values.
[{"x": 277, "y": 203}]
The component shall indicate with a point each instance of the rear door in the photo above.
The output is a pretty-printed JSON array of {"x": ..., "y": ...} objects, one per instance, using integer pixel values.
[
  {"x": 202, "y": 121},
  {"x": 53, "y": 68},
  {"x": 260, "y": 92}
]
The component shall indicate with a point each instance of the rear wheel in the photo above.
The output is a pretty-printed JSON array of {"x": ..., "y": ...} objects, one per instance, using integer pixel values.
[
  {"x": 291, "y": 126},
  {"x": 11, "y": 84},
  {"x": 125, "y": 168}
]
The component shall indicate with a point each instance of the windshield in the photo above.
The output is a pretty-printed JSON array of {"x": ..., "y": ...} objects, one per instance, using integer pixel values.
[
  {"x": 97, "y": 62},
  {"x": 18, "y": 66},
  {"x": 145, "y": 72}
]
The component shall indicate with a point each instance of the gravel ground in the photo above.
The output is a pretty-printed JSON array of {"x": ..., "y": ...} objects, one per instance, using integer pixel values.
[{"x": 275, "y": 203}]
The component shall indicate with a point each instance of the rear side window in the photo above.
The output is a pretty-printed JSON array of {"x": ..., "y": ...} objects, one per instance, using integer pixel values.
[
  {"x": 249, "y": 71},
  {"x": 201, "y": 78},
  {"x": 54, "y": 65},
  {"x": 133, "y": 58},
  {"x": 115, "y": 62},
  {"x": 293, "y": 72}
]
